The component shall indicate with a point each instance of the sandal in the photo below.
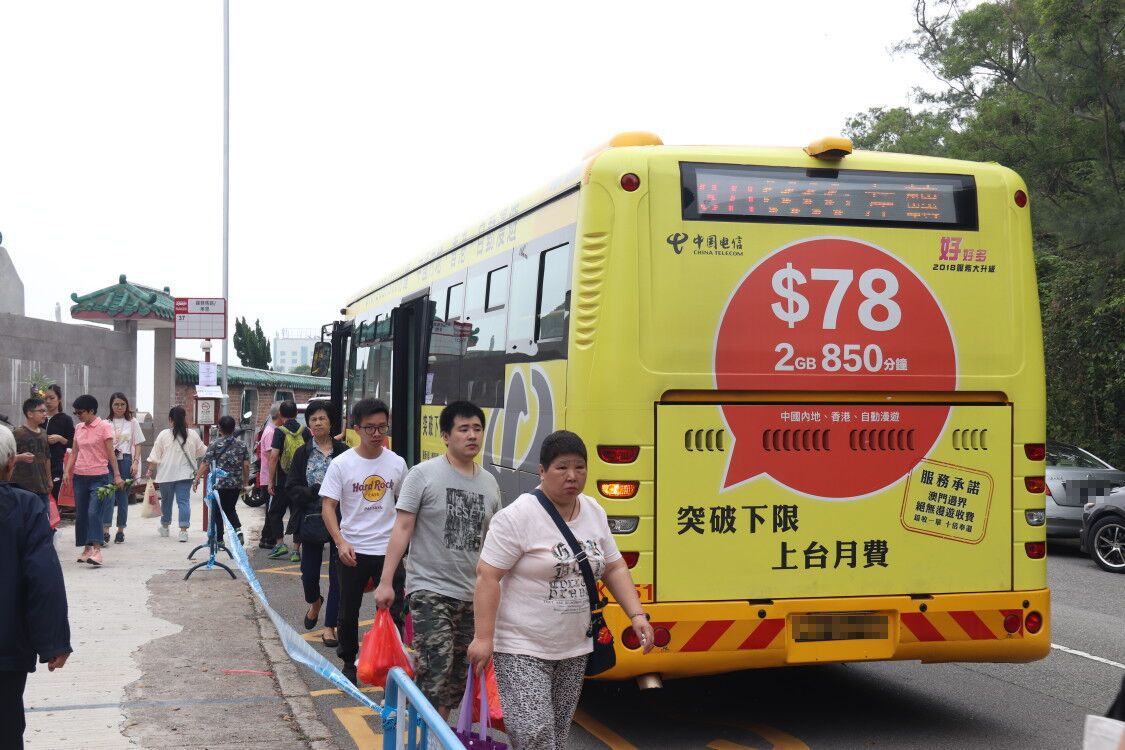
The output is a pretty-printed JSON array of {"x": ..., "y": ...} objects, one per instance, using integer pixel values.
[
  {"x": 329, "y": 642},
  {"x": 310, "y": 622}
]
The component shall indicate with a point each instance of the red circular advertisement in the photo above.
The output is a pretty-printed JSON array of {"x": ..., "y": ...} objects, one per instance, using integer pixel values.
[{"x": 833, "y": 315}]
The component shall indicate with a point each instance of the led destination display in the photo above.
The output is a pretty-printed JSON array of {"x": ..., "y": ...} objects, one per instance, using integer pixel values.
[{"x": 732, "y": 192}]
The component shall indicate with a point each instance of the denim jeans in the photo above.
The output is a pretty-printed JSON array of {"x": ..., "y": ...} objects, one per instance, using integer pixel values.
[
  {"x": 121, "y": 497},
  {"x": 88, "y": 509},
  {"x": 181, "y": 491}
]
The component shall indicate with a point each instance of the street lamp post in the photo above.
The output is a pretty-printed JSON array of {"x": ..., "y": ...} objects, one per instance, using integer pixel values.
[{"x": 226, "y": 190}]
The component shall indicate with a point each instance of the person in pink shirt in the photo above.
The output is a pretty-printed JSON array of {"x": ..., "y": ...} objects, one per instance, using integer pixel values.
[
  {"x": 92, "y": 465},
  {"x": 264, "y": 459}
]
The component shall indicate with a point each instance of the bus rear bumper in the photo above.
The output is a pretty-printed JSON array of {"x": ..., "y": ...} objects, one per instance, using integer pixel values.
[{"x": 716, "y": 637}]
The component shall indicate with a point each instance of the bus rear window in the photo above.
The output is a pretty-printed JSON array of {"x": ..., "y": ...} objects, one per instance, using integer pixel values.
[{"x": 736, "y": 192}]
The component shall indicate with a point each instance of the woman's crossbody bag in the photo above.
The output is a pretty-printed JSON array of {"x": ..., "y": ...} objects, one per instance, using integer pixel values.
[{"x": 603, "y": 656}]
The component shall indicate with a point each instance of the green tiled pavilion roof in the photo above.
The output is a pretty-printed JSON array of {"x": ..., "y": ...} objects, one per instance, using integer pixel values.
[
  {"x": 187, "y": 373},
  {"x": 124, "y": 300}
]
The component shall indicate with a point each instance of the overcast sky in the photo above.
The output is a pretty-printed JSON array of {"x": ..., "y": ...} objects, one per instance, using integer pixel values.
[{"x": 364, "y": 132}]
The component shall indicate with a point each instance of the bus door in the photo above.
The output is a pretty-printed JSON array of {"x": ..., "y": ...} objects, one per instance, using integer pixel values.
[
  {"x": 330, "y": 359},
  {"x": 410, "y": 322}
]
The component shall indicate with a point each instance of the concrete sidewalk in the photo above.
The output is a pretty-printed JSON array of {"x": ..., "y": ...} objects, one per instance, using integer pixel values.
[{"x": 161, "y": 662}]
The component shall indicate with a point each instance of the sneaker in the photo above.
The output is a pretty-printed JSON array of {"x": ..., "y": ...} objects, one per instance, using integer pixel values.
[
  {"x": 279, "y": 552},
  {"x": 183, "y": 535},
  {"x": 105, "y": 538},
  {"x": 85, "y": 554},
  {"x": 95, "y": 557},
  {"x": 295, "y": 557},
  {"x": 119, "y": 538},
  {"x": 264, "y": 543},
  {"x": 350, "y": 673},
  {"x": 163, "y": 530}
]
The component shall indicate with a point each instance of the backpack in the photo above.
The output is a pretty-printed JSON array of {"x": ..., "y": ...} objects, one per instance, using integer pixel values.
[{"x": 293, "y": 441}]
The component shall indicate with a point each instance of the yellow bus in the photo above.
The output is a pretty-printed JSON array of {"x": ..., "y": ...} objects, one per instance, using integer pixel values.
[{"x": 811, "y": 381}]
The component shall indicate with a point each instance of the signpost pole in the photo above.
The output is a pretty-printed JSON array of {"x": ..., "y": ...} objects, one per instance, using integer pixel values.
[{"x": 226, "y": 186}]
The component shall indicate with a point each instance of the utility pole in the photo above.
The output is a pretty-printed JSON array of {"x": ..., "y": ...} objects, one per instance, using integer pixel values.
[{"x": 226, "y": 191}]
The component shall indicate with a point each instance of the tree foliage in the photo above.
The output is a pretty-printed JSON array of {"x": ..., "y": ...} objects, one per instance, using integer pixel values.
[
  {"x": 1039, "y": 86},
  {"x": 251, "y": 345}
]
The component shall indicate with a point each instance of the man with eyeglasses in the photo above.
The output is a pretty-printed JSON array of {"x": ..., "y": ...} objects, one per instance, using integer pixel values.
[
  {"x": 33, "y": 458},
  {"x": 363, "y": 484}
]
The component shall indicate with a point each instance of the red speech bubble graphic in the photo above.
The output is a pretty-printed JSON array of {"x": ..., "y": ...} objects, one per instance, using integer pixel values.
[{"x": 832, "y": 314}]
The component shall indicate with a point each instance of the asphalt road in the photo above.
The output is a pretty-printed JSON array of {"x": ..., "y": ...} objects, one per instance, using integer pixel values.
[{"x": 875, "y": 705}]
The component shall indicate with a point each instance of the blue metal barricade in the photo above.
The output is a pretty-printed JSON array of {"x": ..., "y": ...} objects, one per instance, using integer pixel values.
[{"x": 409, "y": 721}]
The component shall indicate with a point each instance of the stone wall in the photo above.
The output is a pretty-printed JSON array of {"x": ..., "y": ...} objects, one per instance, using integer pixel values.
[{"x": 80, "y": 358}]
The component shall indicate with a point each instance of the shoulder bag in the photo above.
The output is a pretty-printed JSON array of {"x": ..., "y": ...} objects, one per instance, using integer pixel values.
[
  {"x": 191, "y": 462},
  {"x": 603, "y": 656}
]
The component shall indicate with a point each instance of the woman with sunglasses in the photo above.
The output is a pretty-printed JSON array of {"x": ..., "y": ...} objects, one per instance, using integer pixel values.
[{"x": 92, "y": 465}]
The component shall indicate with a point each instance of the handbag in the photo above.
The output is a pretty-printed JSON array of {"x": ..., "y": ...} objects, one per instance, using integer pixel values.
[
  {"x": 311, "y": 528},
  {"x": 464, "y": 730},
  {"x": 602, "y": 657}
]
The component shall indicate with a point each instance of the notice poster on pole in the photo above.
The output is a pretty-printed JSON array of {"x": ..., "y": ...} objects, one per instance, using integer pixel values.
[
  {"x": 201, "y": 317},
  {"x": 208, "y": 373}
]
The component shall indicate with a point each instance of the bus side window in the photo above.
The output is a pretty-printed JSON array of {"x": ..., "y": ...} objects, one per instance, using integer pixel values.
[
  {"x": 448, "y": 338},
  {"x": 521, "y": 306},
  {"x": 486, "y": 297},
  {"x": 552, "y": 318}
]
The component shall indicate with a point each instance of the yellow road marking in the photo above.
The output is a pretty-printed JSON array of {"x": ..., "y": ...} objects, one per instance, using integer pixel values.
[
  {"x": 611, "y": 738},
  {"x": 334, "y": 691},
  {"x": 778, "y": 739},
  {"x": 315, "y": 635},
  {"x": 354, "y": 719}
]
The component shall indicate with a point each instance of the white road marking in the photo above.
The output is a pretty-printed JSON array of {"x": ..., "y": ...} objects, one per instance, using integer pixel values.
[{"x": 1085, "y": 655}]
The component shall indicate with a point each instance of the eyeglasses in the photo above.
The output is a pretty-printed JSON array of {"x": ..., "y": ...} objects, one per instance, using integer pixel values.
[
  {"x": 42, "y": 410},
  {"x": 371, "y": 429}
]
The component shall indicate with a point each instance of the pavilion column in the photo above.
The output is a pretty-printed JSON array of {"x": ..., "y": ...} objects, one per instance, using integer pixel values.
[
  {"x": 129, "y": 327},
  {"x": 163, "y": 374}
]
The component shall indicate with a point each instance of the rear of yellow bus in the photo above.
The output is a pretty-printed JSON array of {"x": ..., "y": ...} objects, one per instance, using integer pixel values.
[{"x": 812, "y": 384}]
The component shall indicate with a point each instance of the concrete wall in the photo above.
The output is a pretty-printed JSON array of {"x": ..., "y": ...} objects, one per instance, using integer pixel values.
[
  {"x": 11, "y": 288},
  {"x": 80, "y": 358}
]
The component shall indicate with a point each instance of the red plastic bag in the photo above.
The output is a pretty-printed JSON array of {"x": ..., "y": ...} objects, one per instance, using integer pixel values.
[
  {"x": 495, "y": 711},
  {"x": 381, "y": 649}
]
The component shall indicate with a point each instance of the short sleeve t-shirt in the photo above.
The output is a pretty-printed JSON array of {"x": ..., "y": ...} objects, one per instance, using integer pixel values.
[
  {"x": 126, "y": 434},
  {"x": 366, "y": 489},
  {"x": 544, "y": 608},
  {"x": 89, "y": 444},
  {"x": 453, "y": 513},
  {"x": 32, "y": 476},
  {"x": 228, "y": 454}
]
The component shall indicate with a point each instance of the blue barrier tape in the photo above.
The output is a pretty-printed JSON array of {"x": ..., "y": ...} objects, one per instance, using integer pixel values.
[{"x": 296, "y": 646}]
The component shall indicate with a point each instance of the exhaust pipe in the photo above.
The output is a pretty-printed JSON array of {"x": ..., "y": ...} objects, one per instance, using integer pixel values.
[{"x": 649, "y": 681}]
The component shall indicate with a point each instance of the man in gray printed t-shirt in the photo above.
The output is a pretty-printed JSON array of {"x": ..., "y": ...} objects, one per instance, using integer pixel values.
[{"x": 443, "y": 512}]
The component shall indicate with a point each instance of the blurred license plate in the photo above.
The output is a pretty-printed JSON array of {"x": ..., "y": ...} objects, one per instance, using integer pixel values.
[{"x": 840, "y": 626}]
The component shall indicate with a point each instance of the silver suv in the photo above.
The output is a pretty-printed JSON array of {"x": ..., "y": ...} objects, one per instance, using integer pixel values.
[{"x": 1074, "y": 477}]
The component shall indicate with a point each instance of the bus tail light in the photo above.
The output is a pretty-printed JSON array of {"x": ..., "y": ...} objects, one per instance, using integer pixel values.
[
  {"x": 630, "y": 182},
  {"x": 661, "y": 637},
  {"x": 1035, "y": 485},
  {"x": 1020, "y": 198},
  {"x": 1035, "y": 550},
  {"x": 1033, "y": 622},
  {"x": 1035, "y": 451},
  {"x": 618, "y": 490},
  {"x": 619, "y": 454},
  {"x": 630, "y": 558},
  {"x": 1035, "y": 517},
  {"x": 1012, "y": 623}
]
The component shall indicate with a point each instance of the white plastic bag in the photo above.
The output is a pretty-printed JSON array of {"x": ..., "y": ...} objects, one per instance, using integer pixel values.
[
  {"x": 1103, "y": 734},
  {"x": 150, "y": 508}
]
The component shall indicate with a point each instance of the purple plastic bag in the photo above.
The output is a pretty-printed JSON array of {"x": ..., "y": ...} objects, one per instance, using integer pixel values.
[{"x": 464, "y": 730}]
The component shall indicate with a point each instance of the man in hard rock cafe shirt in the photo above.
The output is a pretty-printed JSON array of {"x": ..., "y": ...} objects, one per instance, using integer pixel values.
[{"x": 364, "y": 483}]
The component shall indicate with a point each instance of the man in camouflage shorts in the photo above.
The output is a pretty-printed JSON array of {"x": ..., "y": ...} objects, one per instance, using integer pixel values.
[{"x": 443, "y": 512}]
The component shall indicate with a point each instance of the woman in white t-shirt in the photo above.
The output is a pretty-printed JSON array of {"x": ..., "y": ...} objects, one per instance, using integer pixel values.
[
  {"x": 127, "y": 436},
  {"x": 175, "y": 454},
  {"x": 531, "y": 607}
]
